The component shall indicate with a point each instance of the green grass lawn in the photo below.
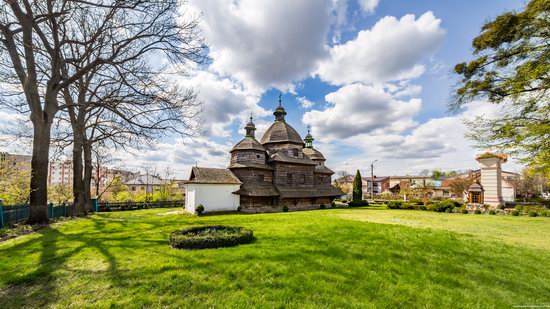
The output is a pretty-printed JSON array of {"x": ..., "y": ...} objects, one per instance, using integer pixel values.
[{"x": 328, "y": 258}]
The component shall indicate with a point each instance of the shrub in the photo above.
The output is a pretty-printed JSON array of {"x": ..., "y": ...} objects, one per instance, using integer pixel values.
[
  {"x": 409, "y": 206},
  {"x": 477, "y": 212},
  {"x": 214, "y": 236},
  {"x": 449, "y": 210},
  {"x": 544, "y": 214},
  {"x": 239, "y": 208},
  {"x": 323, "y": 206},
  {"x": 515, "y": 213},
  {"x": 533, "y": 214},
  {"x": 285, "y": 208},
  {"x": 492, "y": 212},
  {"x": 358, "y": 203},
  {"x": 464, "y": 211},
  {"x": 442, "y": 206},
  {"x": 200, "y": 209},
  {"x": 501, "y": 207},
  {"x": 333, "y": 204},
  {"x": 394, "y": 204}
]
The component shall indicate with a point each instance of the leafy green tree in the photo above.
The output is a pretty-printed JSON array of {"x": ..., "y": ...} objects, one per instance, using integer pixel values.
[
  {"x": 123, "y": 196},
  {"x": 60, "y": 193},
  {"x": 511, "y": 70},
  {"x": 14, "y": 182},
  {"x": 436, "y": 174},
  {"x": 357, "y": 187}
]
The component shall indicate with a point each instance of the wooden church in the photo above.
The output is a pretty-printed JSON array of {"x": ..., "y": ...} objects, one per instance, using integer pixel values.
[{"x": 281, "y": 169}]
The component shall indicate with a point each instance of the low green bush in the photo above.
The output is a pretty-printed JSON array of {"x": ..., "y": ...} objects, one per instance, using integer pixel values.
[
  {"x": 214, "y": 236},
  {"x": 443, "y": 205},
  {"x": 449, "y": 210},
  {"x": 285, "y": 208},
  {"x": 394, "y": 204},
  {"x": 477, "y": 212},
  {"x": 515, "y": 213},
  {"x": 358, "y": 203},
  {"x": 533, "y": 214},
  {"x": 492, "y": 212},
  {"x": 333, "y": 204},
  {"x": 464, "y": 211},
  {"x": 239, "y": 208},
  {"x": 199, "y": 210},
  {"x": 322, "y": 206}
]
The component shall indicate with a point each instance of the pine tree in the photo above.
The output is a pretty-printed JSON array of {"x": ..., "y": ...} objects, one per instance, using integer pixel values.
[{"x": 357, "y": 187}]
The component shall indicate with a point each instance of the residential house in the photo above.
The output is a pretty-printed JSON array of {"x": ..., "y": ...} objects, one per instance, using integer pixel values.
[
  {"x": 379, "y": 185},
  {"x": 145, "y": 182},
  {"x": 15, "y": 161}
]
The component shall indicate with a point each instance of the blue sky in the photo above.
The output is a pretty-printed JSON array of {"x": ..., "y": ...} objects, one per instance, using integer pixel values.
[{"x": 372, "y": 78}]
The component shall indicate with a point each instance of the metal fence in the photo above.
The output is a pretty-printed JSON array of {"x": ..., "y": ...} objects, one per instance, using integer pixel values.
[{"x": 14, "y": 214}]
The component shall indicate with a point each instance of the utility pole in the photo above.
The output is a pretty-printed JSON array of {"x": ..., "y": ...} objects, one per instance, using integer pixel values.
[{"x": 372, "y": 180}]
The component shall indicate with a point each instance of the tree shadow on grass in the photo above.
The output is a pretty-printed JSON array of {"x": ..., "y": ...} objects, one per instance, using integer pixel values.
[{"x": 55, "y": 249}]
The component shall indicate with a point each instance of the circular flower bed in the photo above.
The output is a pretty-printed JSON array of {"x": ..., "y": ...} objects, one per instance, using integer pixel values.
[{"x": 211, "y": 236}]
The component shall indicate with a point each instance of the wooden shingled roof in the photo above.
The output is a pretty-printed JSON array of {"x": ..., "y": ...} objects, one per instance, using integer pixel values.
[
  {"x": 207, "y": 175},
  {"x": 280, "y": 132}
]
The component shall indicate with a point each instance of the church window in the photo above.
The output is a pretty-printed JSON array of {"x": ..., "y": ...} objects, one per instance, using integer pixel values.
[
  {"x": 295, "y": 152},
  {"x": 302, "y": 179},
  {"x": 261, "y": 178},
  {"x": 258, "y": 156}
]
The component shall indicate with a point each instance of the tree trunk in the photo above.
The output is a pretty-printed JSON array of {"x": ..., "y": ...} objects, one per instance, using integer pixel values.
[
  {"x": 39, "y": 171},
  {"x": 78, "y": 183},
  {"x": 88, "y": 169}
]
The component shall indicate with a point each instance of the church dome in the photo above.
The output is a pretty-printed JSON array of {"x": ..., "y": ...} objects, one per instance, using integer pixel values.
[
  {"x": 313, "y": 154},
  {"x": 248, "y": 143},
  {"x": 280, "y": 132}
]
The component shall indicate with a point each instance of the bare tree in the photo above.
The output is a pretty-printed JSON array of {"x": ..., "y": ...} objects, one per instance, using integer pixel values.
[{"x": 48, "y": 46}]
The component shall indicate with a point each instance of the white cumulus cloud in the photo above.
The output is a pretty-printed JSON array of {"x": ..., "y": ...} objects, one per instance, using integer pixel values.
[
  {"x": 358, "y": 109},
  {"x": 266, "y": 43},
  {"x": 391, "y": 50}
]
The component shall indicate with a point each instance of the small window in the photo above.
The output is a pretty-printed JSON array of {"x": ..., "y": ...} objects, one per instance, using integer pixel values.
[
  {"x": 258, "y": 156},
  {"x": 261, "y": 178},
  {"x": 295, "y": 152},
  {"x": 288, "y": 177},
  {"x": 133, "y": 188},
  {"x": 302, "y": 179}
]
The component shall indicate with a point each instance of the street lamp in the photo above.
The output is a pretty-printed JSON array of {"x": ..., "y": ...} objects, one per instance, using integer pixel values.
[{"x": 372, "y": 180}]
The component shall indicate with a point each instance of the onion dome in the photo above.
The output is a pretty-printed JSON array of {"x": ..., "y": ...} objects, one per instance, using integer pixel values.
[
  {"x": 249, "y": 142},
  {"x": 280, "y": 112},
  {"x": 280, "y": 131},
  {"x": 309, "y": 151},
  {"x": 309, "y": 139},
  {"x": 250, "y": 128}
]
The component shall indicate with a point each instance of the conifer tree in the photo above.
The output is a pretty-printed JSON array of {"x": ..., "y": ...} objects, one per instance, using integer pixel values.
[{"x": 357, "y": 187}]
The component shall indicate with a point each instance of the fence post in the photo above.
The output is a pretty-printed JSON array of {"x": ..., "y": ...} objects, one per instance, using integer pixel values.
[
  {"x": 95, "y": 206},
  {"x": 1, "y": 214},
  {"x": 50, "y": 211}
]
